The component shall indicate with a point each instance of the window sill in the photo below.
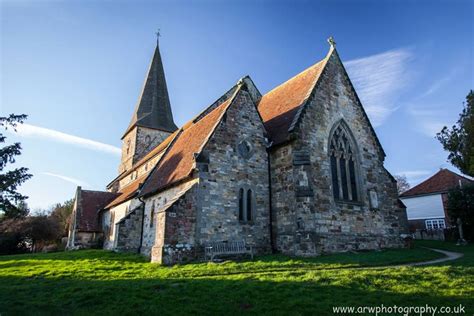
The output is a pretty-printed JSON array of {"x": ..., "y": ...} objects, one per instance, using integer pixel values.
[
  {"x": 349, "y": 202},
  {"x": 246, "y": 222}
]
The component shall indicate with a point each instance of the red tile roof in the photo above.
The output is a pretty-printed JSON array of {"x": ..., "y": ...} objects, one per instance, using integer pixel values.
[
  {"x": 442, "y": 181},
  {"x": 154, "y": 152},
  {"x": 127, "y": 192},
  {"x": 91, "y": 203},
  {"x": 279, "y": 107},
  {"x": 177, "y": 164}
]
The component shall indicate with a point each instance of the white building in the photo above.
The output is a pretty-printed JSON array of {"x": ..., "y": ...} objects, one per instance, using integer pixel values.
[{"x": 426, "y": 203}]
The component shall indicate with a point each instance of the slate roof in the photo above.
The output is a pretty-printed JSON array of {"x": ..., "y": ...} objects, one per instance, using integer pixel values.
[
  {"x": 91, "y": 203},
  {"x": 440, "y": 182},
  {"x": 279, "y": 107},
  {"x": 177, "y": 163},
  {"x": 153, "y": 109}
]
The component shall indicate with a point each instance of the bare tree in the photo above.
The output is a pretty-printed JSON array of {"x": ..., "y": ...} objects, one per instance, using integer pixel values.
[{"x": 402, "y": 184}]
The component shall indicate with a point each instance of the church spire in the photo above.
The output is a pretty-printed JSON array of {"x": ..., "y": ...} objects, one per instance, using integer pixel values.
[{"x": 153, "y": 109}]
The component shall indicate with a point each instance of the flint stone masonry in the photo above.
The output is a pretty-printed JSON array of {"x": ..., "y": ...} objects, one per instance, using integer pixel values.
[
  {"x": 209, "y": 211},
  {"x": 147, "y": 139},
  {"x": 111, "y": 218},
  {"x": 218, "y": 219},
  {"x": 309, "y": 224},
  {"x": 159, "y": 204},
  {"x": 286, "y": 173},
  {"x": 129, "y": 230},
  {"x": 175, "y": 242},
  {"x": 139, "y": 142}
]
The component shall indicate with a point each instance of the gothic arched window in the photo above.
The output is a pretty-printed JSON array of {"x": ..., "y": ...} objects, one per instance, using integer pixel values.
[
  {"x": 249, "y": 205},
  {"x": 246, "y": 205},
  {"x": 342, "y": 153},
  {"x": 128, "y": 146},
  {"x": 241, "y": 204},
  {"x": 152, "y": 214}
]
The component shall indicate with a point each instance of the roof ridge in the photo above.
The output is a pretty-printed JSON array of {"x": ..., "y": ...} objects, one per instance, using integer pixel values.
[
  {"x": 431, "y": 188},
  {"x": 97, "y": 191},
  {"x": 325, "y": 59},
  {"x": 144, "y": 159},
  {"x": 174, "y": 135},
  {"x": 324, "y": 62},
  {"x": 279, "y": 106},
  {"x": 187, "y": 127},
  {"x": 239, "y": 86}
]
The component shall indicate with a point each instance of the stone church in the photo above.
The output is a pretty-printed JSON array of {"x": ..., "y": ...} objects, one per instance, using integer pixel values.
[{"x": 299, "y": 170}]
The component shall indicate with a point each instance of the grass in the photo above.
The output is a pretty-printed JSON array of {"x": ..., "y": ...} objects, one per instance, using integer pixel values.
[{"x": 102, "y": 282}]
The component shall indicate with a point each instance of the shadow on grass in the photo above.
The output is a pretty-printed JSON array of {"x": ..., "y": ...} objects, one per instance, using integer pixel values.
[
  {"x": 94, "y": 254},
  {"x": 205, "y": 296},
  {"x": 387, "y": 256}
]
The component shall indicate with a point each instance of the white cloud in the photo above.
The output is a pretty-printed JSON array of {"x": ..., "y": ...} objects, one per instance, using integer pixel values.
[
  {"x": 429, "y": 121},
  {"x": 436, "y": 85},
  {"x": 413, "y": 173},
  {"x": 27, "y": 130},
  {"x": 68, "y": 179},
  {"x": 378, "y": 79},
  {"x": 414, "y": 176}
]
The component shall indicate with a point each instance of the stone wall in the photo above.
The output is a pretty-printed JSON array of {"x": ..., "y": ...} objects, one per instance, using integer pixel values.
[
  {"x": 283, "y": 198},
  {"x": 129, "y": 231},
  {"x": 87, "y": 240},
  {"x": 128, "y": 150},
  {"x": 177, "y": 244},
  {"x": 81, "y": 239},
  {"x": 154, "y": 220},
  {"x": 140, "y": 170},
  {"x": 311, "y": 221},
  {"x": 114, "y": 215},
  {"x": 74, "y": 218},
  {"x": 147, "y": 139},
  {"x": 137, "y": 143},
  {"x": 235, "y": 157}
]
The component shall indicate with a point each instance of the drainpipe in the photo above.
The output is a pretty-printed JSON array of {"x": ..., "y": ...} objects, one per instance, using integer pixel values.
[
  {"x": 272, "y": 244},
  {"x": 143, "y": 224}
]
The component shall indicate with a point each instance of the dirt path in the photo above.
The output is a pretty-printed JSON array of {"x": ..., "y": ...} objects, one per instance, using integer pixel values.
[{"x": 450, "y": 255}]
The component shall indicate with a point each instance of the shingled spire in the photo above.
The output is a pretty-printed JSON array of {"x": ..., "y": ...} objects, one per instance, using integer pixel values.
[
  {"x": 153, "y": 109},
  {"x": 152, "y": 121}
]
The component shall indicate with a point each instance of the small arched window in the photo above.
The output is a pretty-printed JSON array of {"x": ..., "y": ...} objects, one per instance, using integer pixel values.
[
  {"x": 152, "y": 214},
  {"x": 249, "y": 205},
  {"x": 241, "y": 204},
  {"x": 128, "y": 146},
  {"x": 245, "y": 205},
  {"x": 343, "y": 164}
]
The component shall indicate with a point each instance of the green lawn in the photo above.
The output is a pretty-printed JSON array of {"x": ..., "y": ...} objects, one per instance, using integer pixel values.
[{"x": 101, "y": 282}]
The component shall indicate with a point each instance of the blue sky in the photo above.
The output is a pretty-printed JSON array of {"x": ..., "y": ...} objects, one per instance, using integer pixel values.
[{"x": 76, "y": 68}]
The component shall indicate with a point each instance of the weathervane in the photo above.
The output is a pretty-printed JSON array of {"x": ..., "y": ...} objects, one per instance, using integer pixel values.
[
  {"x": 331, "y": 41},
  {"x": 158, "y": 34}
]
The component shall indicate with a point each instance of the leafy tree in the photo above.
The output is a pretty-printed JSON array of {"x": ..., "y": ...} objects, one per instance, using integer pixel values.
[
  {"x": 459, "y": 140},
  {"x": 461, "y": 205},
  {"x": 402, "y": 183},
  {"x": 10, "y": 199},
  {"x": 61, "y": 213},
  {"x": 27, "y": 234},
  {"x": 20, "y": 210},
  {"x": 40, "y": 229}
]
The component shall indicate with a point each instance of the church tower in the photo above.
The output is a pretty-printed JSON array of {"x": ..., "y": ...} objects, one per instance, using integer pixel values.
[{"x": 152, "y": 121}]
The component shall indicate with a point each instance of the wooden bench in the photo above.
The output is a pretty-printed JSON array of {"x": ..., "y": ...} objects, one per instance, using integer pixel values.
[{"x": 214, "y": 249}]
